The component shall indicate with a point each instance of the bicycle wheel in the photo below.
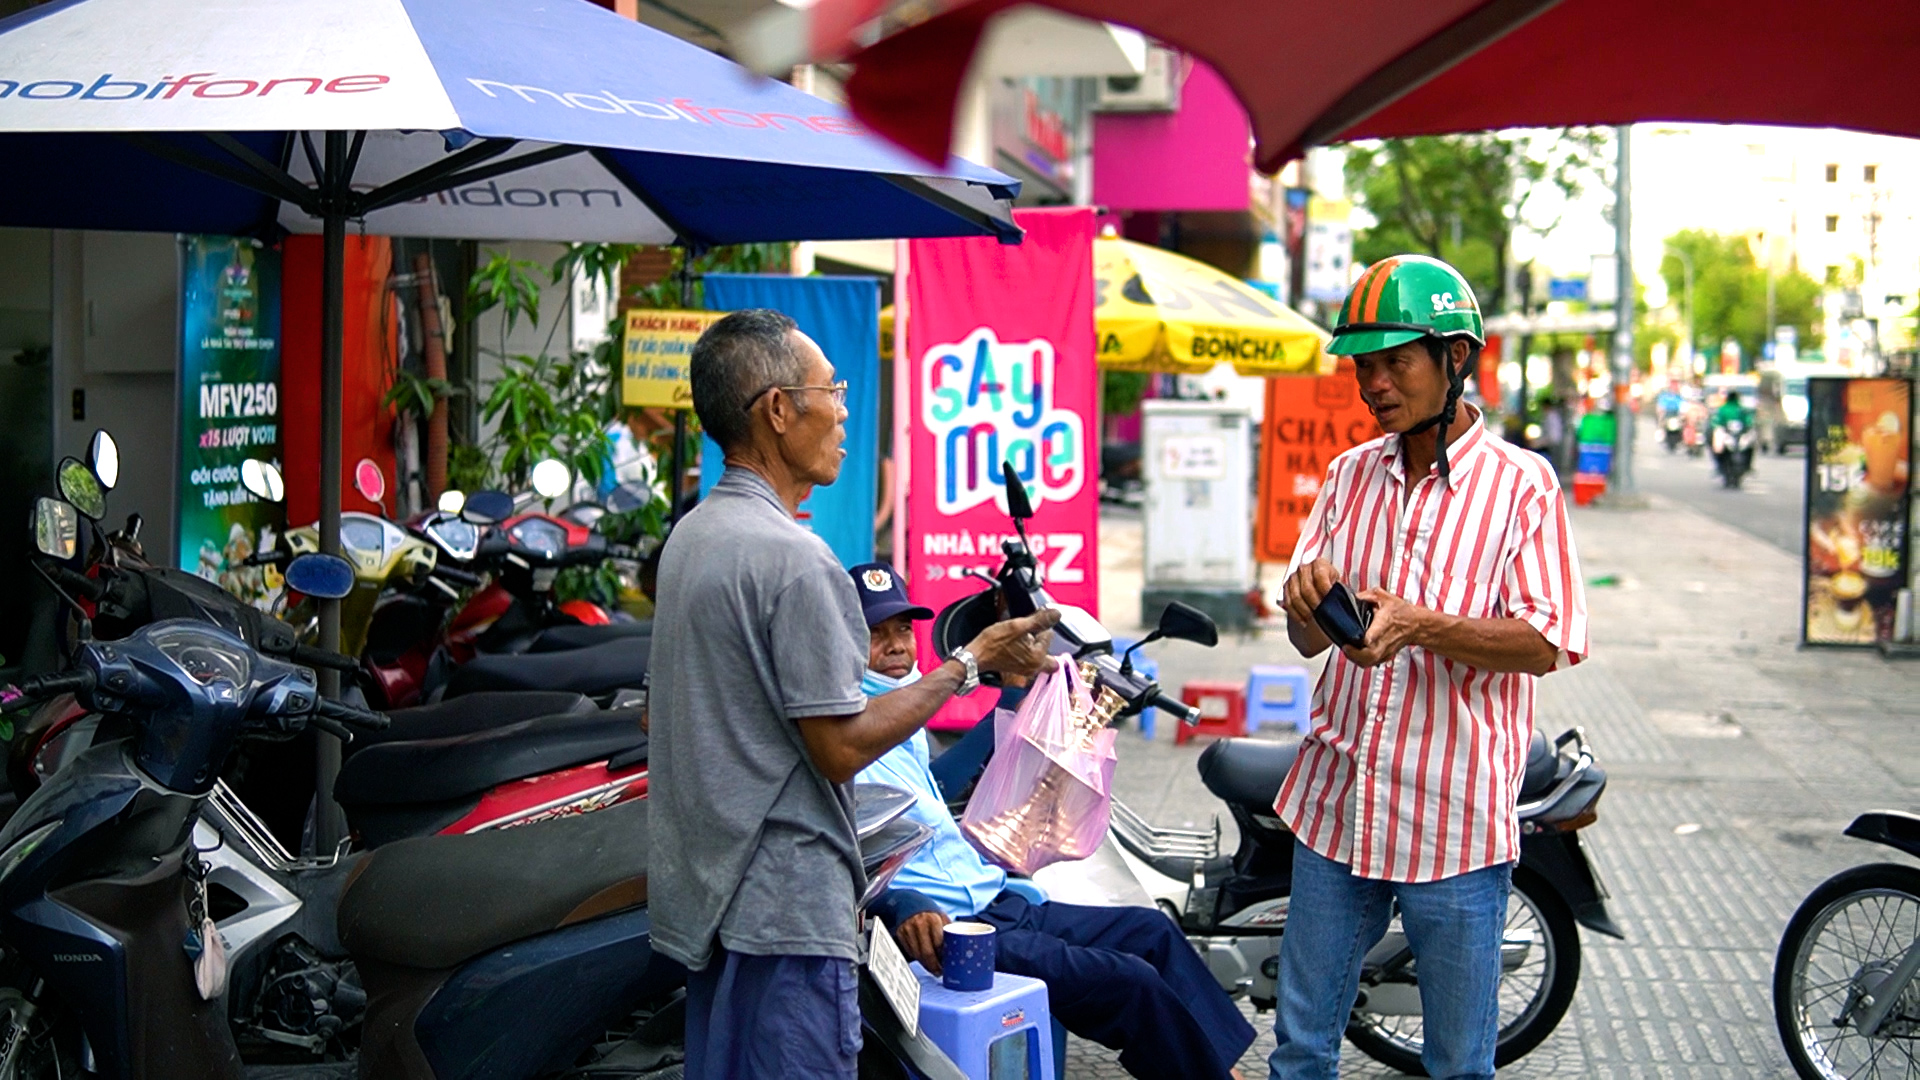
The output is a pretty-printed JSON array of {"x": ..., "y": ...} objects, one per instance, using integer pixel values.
[
  {"x": 1847, "y": 936},
  {"x": 1534, "y": 995}
]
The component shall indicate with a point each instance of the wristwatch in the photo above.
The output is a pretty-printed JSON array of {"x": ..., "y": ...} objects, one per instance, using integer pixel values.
[{"x": 972, "y": 680}]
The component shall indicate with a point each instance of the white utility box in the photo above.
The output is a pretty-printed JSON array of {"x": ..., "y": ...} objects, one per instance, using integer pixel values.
[{"x": 1197, "y": 462}]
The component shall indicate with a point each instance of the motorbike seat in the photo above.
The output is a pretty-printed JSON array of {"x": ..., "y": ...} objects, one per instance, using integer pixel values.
[
  {"x": 1543, "y": 768},
  {"x": 1247, "y": 771},
  {"x": 562, "y": 638},
  {"x": 439, "y": 770},
  {"x": 433, "y": 902},
  {"x": 475, "y": 712},
  {"x": 598, "y": 669}
]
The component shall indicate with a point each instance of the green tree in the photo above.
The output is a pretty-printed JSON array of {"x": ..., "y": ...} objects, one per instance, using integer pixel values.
[
  {"x": 1730, "y": 293},
  {"x": 1462, "y": 198}
]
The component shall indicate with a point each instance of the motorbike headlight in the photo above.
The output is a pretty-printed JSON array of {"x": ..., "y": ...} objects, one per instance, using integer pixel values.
[{"x": 206, "y": 658}]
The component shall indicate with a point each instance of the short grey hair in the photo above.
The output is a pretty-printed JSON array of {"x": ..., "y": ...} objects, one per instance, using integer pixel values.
[{"x": 734, "y": 362}]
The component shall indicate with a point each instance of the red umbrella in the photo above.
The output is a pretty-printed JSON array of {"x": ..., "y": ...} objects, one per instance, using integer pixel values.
[{"x": 1316, "y": 71}]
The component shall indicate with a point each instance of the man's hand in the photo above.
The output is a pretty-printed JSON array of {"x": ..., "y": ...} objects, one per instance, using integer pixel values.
[
  {"x": 1396, "y": 625},
  {"x": 920, "y": 936},
  {"x": 1306, "y": 588},
  {"x": 1017, "y": 646}
]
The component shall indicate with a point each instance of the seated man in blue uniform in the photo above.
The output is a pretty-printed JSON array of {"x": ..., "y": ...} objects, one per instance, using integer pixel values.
[{"x": 1124, "y": 977}]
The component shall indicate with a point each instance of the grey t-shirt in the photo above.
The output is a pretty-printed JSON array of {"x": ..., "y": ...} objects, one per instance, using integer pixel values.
[{"x": 756, "y": 626}]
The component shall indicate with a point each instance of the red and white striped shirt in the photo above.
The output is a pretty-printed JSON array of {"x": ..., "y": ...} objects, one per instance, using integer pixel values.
[{"x": 1413, "y": 768}]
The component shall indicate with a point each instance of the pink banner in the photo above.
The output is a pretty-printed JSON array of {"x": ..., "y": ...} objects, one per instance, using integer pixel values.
[{"x": 1000, "y": 361}]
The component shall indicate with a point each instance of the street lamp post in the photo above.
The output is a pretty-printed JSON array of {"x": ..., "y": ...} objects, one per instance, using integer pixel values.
[
  {"x": 1622, "y": 480},
  {"x": 1686, "y": 266}
]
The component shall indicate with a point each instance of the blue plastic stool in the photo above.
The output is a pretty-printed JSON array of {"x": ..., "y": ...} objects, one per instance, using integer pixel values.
[
  {"x": 1005, "y": 1033},
  {"x": 1279, "y": 694},
  {"x": 1145, "y": 665}
]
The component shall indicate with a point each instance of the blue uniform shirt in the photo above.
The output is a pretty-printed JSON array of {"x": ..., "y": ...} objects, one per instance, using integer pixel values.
[{"x": 948, "y": 870}]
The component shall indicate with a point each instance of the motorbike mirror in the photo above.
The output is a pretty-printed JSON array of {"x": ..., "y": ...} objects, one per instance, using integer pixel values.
[
  {"x": 369, "y": 481},
  {"x": 328, "y": 577},
  {"x": 1018, "y": 505},
  {"x": 551, "y": 478},
  {"x": 1184, "y": 622},
  {"x": 56, "y": 528},
  {"x": 488, "y": 507},
  {"x": 452, "y": 501},
  {"x": 263, "y": 479},
  {"x": 80, "y": 487},
  {"x": 103, "y": 457}
]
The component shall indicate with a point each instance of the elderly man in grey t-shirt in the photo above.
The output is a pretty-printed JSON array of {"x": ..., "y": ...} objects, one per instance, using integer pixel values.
[{"x": 759, "y": 724}]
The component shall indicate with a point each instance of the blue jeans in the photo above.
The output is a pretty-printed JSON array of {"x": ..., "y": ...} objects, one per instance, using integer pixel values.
[{"x": 1454, "y": 928}]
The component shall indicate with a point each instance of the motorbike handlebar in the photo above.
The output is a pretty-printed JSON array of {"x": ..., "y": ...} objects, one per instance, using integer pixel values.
[
  {"x": 1188, "y": 714},
  {"x": 456, "y": 576},
  {"x": 266, "y": 558},
  {"x": 342, "y": 713},
  {"x": 41, "y": 687},
  {"x": 76, "y": 581},
  {"x": 310, "y": 656}
]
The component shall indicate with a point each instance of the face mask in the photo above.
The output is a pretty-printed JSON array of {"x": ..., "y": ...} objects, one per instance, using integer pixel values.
[{"x": 873, "y": 684}]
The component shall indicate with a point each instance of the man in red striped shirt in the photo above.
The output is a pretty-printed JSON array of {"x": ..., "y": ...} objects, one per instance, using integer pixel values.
[{"x": 1404, "y": 790}]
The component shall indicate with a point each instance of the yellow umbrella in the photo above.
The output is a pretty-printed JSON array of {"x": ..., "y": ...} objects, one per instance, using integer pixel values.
[
  {"x": 1159, "y": 311},
  {"x": 1155, "y": 310}
]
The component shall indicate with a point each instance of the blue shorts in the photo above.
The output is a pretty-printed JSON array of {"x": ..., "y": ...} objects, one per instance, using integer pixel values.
[{"x": 773, "y": 1016}]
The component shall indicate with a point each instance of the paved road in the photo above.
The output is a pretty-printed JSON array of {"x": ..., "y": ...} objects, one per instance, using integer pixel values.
[{"x": 1767, "y": 505}]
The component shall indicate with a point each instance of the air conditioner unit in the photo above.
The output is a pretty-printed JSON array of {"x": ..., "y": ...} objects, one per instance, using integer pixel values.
[{"x": 1157, "y": 89}]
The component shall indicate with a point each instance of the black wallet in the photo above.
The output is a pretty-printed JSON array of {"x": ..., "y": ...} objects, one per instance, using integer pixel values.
[{"x": 1343, "y": 617}]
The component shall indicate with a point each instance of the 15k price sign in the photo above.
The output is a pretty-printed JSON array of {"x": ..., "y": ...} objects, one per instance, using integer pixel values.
[{"x": 1859, "y": 449}]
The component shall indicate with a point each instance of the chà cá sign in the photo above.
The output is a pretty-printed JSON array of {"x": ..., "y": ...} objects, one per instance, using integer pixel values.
[{"x": 654, "y": 372}]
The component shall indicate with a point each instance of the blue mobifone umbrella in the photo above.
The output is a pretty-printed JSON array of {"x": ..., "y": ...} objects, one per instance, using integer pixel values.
[{"x": 485, "y": 119}]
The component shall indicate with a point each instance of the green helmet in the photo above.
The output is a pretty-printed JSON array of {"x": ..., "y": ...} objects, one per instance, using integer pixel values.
[{"x": 1405, "y": 298}]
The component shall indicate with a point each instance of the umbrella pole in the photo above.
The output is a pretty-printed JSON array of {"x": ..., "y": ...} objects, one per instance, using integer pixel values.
[{"x": 329, "y": 824}]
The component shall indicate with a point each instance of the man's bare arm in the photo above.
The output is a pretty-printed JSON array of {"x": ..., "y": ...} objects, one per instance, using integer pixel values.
[
  {"x": 841, "y": 746},
  {"x": 1307, "y": 638},
  {"x": 1503, "y": 644}
]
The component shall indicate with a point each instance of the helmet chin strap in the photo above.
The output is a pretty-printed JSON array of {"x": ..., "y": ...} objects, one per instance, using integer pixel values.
[{"x": 1456, "y": 385}]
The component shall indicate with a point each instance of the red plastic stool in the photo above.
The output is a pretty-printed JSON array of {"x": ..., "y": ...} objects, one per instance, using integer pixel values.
[{"x": 1223, "y": 710}]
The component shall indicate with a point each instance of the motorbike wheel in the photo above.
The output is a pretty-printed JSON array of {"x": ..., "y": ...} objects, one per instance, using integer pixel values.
[
  {"x": 36, "y": 1042},
  {"x": 1851, "y": 929},
  {"x": 1533, "y": 998}
]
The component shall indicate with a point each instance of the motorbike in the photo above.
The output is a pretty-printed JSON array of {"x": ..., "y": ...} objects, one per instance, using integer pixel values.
[
  {"x": 1233, "y": 906},
  {"x": 1844, "y": 995},
  {"x": 1693, "y": 434},
  {"x": 1733, "y": 443},
  {"x": 1674, "y": 428},
  {"x": 482, "y": 761},
  {"x": 469, "y": 586},
  {"x": 118, "y": 963}
]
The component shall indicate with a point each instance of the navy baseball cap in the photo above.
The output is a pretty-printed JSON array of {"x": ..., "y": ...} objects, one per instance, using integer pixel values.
[{"x": 883, "y": 595}]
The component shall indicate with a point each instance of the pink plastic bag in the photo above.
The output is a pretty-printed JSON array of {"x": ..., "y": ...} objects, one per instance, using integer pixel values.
[{"x": 1048, "y": 792}]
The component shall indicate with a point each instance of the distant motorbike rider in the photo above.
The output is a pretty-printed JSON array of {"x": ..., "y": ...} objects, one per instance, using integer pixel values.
[
  {"x": 1732, "y": 426},
  {"x": 1733, "y": 408}
]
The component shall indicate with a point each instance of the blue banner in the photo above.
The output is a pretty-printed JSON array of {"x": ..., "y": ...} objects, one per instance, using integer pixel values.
[{"x": 842, "y": 316}]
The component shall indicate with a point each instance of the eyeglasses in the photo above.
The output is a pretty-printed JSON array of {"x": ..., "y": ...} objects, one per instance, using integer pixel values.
[{"x": 838, "y": 390}]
